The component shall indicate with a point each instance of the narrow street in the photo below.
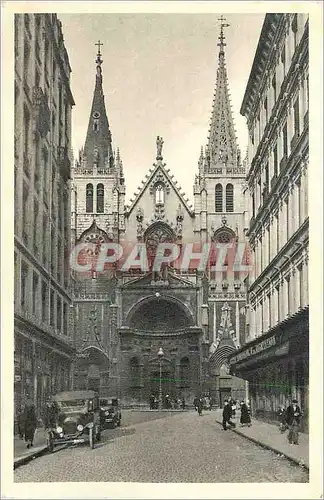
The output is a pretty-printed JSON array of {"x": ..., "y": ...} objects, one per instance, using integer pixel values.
[{"x": 164, "y": 447}]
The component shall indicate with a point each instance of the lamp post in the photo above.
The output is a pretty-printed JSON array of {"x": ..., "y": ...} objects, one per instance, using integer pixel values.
[{"x": 160, "y": 356}]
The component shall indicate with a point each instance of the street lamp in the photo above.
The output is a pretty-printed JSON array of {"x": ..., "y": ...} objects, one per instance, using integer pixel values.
[{"x": 160, "y": 356}]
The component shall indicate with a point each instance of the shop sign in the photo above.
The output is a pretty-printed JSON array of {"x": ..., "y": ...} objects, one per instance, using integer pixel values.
[{"x": 251, "y": 351}]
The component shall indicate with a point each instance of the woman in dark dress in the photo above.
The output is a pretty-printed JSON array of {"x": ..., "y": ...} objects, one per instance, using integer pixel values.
[
  {"x": 30, "y": 424},
  {"x": 245, "y": 414}
]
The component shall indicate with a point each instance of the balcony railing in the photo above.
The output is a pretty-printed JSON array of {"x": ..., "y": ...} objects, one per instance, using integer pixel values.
[{"x": 42, "y": 121}]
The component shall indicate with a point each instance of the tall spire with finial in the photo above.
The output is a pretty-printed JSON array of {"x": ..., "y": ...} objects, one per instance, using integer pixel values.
[
  {"x": 222, "y": 145},
  {"x": 98, "y": 145}
]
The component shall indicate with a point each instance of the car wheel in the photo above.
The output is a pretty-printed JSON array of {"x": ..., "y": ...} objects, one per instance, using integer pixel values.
[
  {"x": 50, "y": 442},
  {"x": 91, "y": 438}
]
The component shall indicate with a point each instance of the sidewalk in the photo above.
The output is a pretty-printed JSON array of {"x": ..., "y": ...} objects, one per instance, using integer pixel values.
[
  {"x": 269, "y": 436},
  {"x": 22, "y": 454}
]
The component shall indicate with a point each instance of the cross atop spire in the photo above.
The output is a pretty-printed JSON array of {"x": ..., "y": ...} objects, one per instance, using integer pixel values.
[
  {"x": 99, "y": 61},
  {"x": 221, "y": 37},
  {"x": 99, "y": 44}
]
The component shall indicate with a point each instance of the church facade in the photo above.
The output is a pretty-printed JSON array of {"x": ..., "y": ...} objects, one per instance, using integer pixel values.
[{"x": 123, "y": 316}]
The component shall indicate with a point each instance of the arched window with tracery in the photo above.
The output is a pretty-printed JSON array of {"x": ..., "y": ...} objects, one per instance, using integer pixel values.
[
  {"x": 218, "y": 198},
  {"x": 159, "y": 194},
  {"x": 225, "y": 236},
  {"x": 100, "y": 198},
  {"x": 89, "y": 198},
  {"x": 157, "y": 233},
  {"x": 229, "y": 198}
]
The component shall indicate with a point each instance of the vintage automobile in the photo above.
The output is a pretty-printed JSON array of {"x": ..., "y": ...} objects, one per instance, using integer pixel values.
[
  {"x": 110, "y": 414},
  {"x": 76, "y": 419}
]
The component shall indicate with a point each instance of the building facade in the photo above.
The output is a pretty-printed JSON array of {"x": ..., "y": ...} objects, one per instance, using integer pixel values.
[
  {"x": 123, "y": 317},
  {"x": 43, "y": 102},
  {"x": 274, "y": 358}
]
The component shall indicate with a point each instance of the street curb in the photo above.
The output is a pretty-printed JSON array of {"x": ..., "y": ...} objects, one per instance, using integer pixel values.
[
  {"x": 27, "y": 458},
  {"x": 267, "y": 446}
]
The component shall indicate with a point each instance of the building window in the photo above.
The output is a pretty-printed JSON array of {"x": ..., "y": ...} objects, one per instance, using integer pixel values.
[
  {"x": 218, "y": 198},
  {"x": 26, "y": 57},
  {"x": 159, "y": 195},
  {"x": 283, "y": 59},
  {"x": 26, "y": 140},
  {"x": 35, "y": 228},
  {"x": 59, "y": 313},
  {"x": 252, "y": 137},
  {"x": 24, "y": 214},
  {"x": 229, "y": 198},
  {"x": 285, "y": 140},
  {"x": 65, "y": 318},
  {"x": 89, "y": 198},
  {"x": 296, "y": 118},
  {"x": 274, "y": 88},
  {"x": 259, "y": 192},
  {"x": 35, "y": 293},
  {"x": 46, "y": 175},
  {"x": 253, "y": 205},
  {"x": 294, "y": 27},
  {"x": 275, "y": 161},
  {"x": 44, "y": 301},
  {"x": 266, "y": 179},
  {"x": 265, "y": 105},
  {"x": 52, "y": 308},
  {"x": 23, "y": 285},
  {"x": 100, "y": 198}
]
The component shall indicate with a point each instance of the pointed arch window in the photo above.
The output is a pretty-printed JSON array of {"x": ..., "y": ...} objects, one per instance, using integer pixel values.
[
  {"x": 218, "y": 198},
  {"x": 229, "y": 198},
  {"x": 100, "y": 198},
  {"x": 159, "y": 195},
  {"x": 89, "y": 198}
]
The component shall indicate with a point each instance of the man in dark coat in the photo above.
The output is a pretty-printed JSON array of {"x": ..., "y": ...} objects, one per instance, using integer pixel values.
[
  {"x": 245, "y": 415},
  {"x": 30, "y": 423},
  {"x": 227, "y": 413},
  {"x": 293, "y": 414}
]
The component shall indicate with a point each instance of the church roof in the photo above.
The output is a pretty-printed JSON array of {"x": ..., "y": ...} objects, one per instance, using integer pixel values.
[
  {"x": 159, "y": 167},
  {"x": 98, "y": 144},
  {"x": 222, "y": 144}
]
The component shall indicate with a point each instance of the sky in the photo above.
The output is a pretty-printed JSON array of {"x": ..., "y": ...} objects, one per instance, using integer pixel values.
[{"x": 159, "y": 74}]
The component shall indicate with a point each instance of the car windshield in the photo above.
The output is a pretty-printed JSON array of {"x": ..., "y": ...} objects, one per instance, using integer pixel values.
[{"x": 73, "y": 403}]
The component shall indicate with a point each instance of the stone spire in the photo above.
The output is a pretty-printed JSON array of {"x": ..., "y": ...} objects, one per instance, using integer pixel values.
[
  {"x": 222, "y": 145},
  {"x": 98, "y": 146}
]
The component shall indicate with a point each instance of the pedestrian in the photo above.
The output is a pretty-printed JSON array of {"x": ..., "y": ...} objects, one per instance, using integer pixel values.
[
  {"x": 293, "y": 414},
  {"x": 195, "y": 402},
  {"x": 233, "y": 405},
  {"x": 207, "y": 403},
  {"x": 200, "y": 406},
  {"x": 183, "y": 403},
  {"x": 245, "y": 415},
  {"x": 20, "y": 424},
  {"x": 227, "y": 414},
  {"x": 152, "y": 398},
  {"x": 282, "y": 419},
  {"x": 30, "y": 423}
]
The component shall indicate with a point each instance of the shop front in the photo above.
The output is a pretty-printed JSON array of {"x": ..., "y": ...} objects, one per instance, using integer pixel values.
[{"x": 276, "y": 366}]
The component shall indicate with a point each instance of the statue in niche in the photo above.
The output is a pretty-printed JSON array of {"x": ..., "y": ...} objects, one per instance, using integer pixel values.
[{"x": 159, "y": 145}]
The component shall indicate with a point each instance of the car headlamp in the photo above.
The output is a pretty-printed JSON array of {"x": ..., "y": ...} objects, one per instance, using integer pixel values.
[
  {"x": 59, "y": 430},
  {"x": 80, "y": 427}
]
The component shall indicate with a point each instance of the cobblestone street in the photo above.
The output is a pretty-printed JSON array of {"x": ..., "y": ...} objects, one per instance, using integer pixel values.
[{"x": 164, "y": 447}]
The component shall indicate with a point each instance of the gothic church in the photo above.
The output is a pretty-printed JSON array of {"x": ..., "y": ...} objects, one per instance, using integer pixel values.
[{"x": 122, "y": 319}]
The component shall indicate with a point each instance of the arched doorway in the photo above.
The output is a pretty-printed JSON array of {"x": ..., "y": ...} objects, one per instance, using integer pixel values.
[
  {"x": 159, "y": 314},
  {"x": 92, "y": 371}
]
